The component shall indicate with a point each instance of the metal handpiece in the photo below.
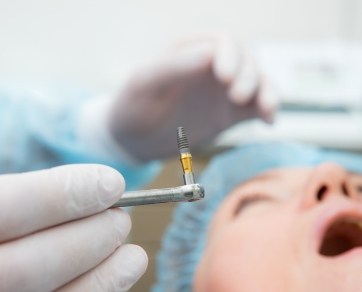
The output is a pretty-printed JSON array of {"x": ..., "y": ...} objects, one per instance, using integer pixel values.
[{"x": 186, "y": 193}]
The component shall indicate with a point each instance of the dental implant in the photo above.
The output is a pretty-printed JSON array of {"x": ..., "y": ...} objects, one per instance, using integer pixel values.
[{"x": 185, "y": 156}]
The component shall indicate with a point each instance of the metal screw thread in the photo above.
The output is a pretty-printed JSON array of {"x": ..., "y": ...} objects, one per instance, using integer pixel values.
[{"x": 182, "y": 142}]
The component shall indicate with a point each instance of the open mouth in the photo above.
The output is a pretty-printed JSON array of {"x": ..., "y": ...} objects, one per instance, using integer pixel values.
[{"x": 342, "y": 236}]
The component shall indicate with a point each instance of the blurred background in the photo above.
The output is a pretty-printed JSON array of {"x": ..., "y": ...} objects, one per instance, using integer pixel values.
[{"x": 310, "y": 49}]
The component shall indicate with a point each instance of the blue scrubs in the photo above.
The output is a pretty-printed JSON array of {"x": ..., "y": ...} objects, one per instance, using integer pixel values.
[{"x": 38, "y": 132}]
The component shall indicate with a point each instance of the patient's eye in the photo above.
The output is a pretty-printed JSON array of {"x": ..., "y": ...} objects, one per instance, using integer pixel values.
[{"x": 249, "y": 200}]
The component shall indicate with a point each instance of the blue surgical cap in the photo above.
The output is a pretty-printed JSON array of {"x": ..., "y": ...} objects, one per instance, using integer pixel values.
[{"x": 185, "y": 238}]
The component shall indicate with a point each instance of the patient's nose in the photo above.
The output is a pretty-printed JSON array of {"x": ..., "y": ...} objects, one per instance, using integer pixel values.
[{"x": 327, "y": 180}]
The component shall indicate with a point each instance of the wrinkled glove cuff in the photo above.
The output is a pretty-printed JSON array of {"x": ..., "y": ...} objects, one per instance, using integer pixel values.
[{"x": 93, "y": 130}]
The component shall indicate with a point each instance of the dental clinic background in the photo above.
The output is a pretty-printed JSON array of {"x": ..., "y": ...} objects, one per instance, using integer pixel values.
[
  {"x": 96, "y": 43},
  {"x": 311, "y": 49}
]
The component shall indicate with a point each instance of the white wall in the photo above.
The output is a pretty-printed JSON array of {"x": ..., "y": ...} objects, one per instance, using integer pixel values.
[{"x": 96, "y": 43}]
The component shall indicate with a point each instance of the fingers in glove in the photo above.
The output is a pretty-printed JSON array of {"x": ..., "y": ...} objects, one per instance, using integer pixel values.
[
  {"x": 119, "y": 272},
  {"x": 267, "y": 101},
  {"x": 246, "y": 82},
  {"x": 36, "y": 200},
  {"x": 181, "y": 64},
  {"x": 227, "y": 59},
  {"x": 218, "y": 52},
  {"x": 51, "y": 258}
]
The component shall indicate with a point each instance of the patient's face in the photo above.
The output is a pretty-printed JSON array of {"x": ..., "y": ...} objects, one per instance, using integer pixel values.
[{"x": 287, "y": 230}]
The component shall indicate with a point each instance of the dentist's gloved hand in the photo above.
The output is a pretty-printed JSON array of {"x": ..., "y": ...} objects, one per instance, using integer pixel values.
[
  {"x": 205, "y": 85},
  {"x": 55, "y": 231}
]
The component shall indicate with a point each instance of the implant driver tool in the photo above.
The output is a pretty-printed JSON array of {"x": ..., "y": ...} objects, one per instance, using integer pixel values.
[
  {"x": 189, "y": 192},
  {"x": 186, "y": 193}
]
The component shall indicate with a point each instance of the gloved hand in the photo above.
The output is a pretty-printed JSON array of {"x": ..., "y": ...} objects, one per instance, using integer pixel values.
[
  {"x": 204, "y": 85},
  {"x": 55, "y": 232}
]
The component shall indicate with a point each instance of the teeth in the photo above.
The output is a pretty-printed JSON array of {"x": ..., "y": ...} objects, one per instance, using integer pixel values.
[
  {"x": 351, "y": 220},
  {"x": 357, "y": 221}
]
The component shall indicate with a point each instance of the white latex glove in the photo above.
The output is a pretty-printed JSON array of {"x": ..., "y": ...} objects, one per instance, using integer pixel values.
[
  {"x": 55, "y": 231},
  {"x": 205, "y": 85}
]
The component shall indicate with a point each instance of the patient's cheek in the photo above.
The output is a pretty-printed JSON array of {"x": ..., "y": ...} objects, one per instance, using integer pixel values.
[
  {"x": 222, "y": 267},
  {"x": 242, "y": 251},
  {"x": 212, "y": 276}
]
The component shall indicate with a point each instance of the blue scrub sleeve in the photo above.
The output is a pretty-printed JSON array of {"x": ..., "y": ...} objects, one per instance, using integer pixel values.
[{"x": 38, "y": 131}]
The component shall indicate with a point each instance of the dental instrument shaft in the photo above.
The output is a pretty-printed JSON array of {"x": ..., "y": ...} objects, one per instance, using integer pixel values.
[
  {"x": 185, "y": 156},
  {"x": 186, "y": 193}
]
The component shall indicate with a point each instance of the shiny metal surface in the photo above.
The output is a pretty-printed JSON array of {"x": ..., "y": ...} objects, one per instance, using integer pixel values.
[{"x": 186, "y": 193}]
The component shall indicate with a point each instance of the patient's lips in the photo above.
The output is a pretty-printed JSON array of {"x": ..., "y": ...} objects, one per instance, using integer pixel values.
[{"x": 342, "y": 236}]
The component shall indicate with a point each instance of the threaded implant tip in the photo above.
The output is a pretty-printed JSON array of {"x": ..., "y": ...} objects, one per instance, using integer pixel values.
[{"x": 182, "y": 142}]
